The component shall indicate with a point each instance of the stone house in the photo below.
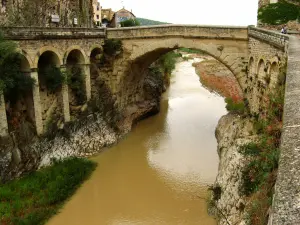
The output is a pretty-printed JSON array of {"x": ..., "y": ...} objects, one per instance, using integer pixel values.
[
  {"x": 45, "y": 13},
  {"x": 97, "y": 13},
  {"x": 106, "y": 16},
  {"x": 121, "y": 15}
]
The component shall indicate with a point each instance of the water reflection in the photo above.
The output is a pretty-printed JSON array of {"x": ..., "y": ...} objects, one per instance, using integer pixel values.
[{"x": 158, "y": 172}]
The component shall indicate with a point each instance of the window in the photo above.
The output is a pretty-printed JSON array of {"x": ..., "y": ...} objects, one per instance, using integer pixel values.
[{"x": 97, "y": 17}]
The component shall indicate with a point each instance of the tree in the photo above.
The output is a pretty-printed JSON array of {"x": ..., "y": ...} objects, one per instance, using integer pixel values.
[
  {"x": 278, "y": 13},
  {"x": 13, "y": 83},
  {"x": 130, "y": 23}
]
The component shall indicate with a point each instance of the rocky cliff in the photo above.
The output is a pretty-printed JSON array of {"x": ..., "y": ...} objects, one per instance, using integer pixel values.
[{"x": 227, "y": 203}]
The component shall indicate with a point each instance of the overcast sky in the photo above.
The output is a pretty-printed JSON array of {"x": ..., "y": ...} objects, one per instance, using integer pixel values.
[{"x": 214, "y": 12}]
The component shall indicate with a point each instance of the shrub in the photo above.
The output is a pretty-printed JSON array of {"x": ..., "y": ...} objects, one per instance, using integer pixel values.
[
  {"x": 278, "y": 13},
  {"x": 54, "y": 78},
  {"x": 112, "y": 47},
  {"x": 76, "y": 82},
  {"x": 236, "y": 107},
  {"x": 130, "y": 23}
]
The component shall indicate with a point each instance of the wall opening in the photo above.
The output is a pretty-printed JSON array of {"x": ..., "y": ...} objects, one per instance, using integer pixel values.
[
  {"x": 19, "y": 103},
  {"x": 76, "y": 81},
  {"x": 50, "y": 83},
  {"x": 95, "y": 66}
]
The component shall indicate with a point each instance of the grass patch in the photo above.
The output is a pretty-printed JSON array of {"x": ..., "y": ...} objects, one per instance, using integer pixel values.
[
  {"x": 34, "y": 198},
  {"x": 235, "y": 106}
]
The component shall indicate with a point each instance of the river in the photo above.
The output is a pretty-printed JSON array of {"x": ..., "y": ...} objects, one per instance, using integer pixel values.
[{"x": 159, "y": 173}]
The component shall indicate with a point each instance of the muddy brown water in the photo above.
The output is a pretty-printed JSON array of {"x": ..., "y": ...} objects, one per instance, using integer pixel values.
[{"x": 159, "y": 173}]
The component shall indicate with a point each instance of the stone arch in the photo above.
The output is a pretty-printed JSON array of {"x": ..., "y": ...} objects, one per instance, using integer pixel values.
[
  {"x": 129, "y": 73},
  {"x": 251, "y": 68},
  {"x": 54, "y": 52},
  {"x": 25, "y": 54},
  {"x": 95, "y": 54},
  {"x": 51, "y": 100},
  {"x": 77, "y": 52},
  {"x": 273, "y": 74},
  {"x": 76, "y": 62},
  {"x": 20, "y": 111},
  {"x": 261, "y": 71}
]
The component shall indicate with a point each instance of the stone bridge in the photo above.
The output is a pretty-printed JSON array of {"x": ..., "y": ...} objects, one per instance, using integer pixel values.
[{"x": 255, "y": 57}]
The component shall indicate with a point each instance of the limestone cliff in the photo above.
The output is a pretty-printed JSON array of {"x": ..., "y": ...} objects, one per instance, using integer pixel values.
[{"x": 227, "y": 204}]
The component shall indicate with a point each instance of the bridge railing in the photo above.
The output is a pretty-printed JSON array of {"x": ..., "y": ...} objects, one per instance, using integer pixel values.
[
  {"x": 271, "y": 37},
  {"x": 19, "y": 33},
  {"x": 174, "y": 30}
]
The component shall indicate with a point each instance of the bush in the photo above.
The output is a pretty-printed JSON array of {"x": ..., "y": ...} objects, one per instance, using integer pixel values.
[
  {"x": 278, "y": 13},
  {"x": 130, "y": 23},
  {"x": 76, "y": 82},
  {"x": 54, "y": 78},
  {"x": 112, "y": 47},
  {"x": 236, "y": 107}
]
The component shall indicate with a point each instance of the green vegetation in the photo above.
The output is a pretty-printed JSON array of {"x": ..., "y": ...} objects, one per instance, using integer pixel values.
[
  {"x": 236, "y": 107},
  {"x": 278, "y": 13},
  {"x": 147, "y": 22},
  {"x": 34, "y": 198},
  {"x": 54, "y": 77},
  {"x": 76, "y": 82},
  {"x": 130, "y": 23},
  {"x": 165, "y": 65},
  {"x": 112, "y": 47},
  {"x": 13, "y": 83}
]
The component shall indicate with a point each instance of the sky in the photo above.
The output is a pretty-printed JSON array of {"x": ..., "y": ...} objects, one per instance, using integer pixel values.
[{"x": 203, "y": 12}]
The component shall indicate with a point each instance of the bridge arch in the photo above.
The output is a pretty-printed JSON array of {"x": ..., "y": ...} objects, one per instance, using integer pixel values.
[
  {"x": 53, "y": 53},
  {"x": 261, "y": 70},
  {"x": 76, "y": 61},
  {"x": 273, "y": 73},
  {"x": 95, "y": 53},
  {"x": 144, "y": 54},
  {"x": 26, "y": 56},
  {"x": 77, "y": 53}
]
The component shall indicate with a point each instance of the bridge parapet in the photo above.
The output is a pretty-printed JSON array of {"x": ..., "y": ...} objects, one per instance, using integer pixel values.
[
  {"x": 271, "y": 37},
  {"x": 187, "y": 31},
  {"x": 39, "y": 33}
]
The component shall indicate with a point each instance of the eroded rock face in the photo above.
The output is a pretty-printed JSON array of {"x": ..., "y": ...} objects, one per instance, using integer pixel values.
[
  {"x": 101, "y": 124},
  {"x": 232, "y": 132}
]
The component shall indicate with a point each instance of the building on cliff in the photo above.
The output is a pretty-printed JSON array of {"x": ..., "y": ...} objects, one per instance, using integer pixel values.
[
  {"x": 60, "y": 13},
  {"x": 121, "y": 15},
  {"x": 106, "y": 16},
  {"x": 97, "y": 13}
]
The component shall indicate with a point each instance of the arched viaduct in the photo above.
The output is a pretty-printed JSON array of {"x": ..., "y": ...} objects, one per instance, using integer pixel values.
[{"x": 255, "y": 57}]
